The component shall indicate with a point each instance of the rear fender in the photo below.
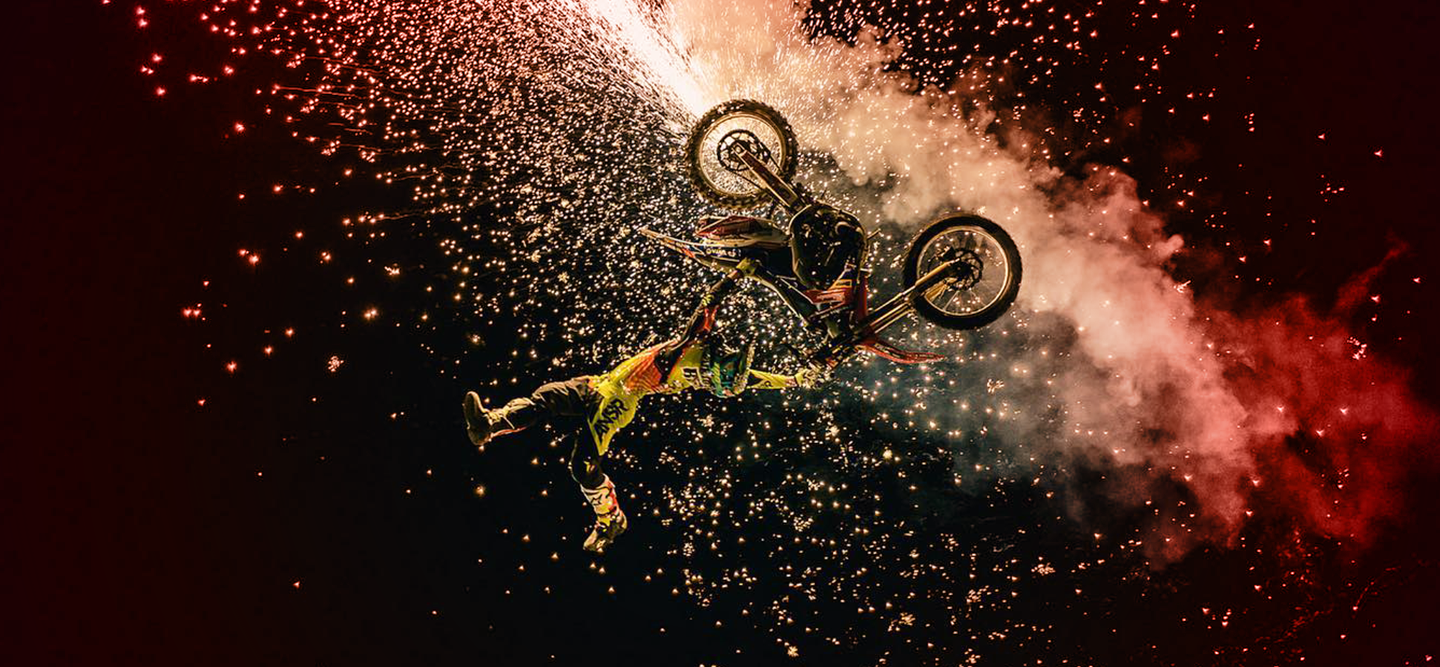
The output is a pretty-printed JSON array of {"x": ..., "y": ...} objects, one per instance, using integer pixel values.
[
  {"x": 729, "y": 226},
  {"x": 718, "y": 257},
  {"x": 739, "y": 230}
]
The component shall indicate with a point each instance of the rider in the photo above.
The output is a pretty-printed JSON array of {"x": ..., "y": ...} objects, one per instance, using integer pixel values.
[{"x": 606, "y": 403}]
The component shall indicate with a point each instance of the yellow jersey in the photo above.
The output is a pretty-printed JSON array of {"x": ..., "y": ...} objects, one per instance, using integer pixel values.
[{"x": 665, "y": 368}]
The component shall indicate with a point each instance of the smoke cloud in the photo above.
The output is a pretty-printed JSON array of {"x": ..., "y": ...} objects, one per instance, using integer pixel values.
[{"x": 1112, "y": 365}]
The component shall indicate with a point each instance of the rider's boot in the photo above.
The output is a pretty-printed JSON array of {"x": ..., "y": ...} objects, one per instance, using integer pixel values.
[
  {"x": 610, "y": 522},
  {"x": 482, "y": 424}
]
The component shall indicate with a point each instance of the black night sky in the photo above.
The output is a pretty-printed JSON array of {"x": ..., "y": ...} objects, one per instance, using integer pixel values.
[{"x": 318, "y": 503}]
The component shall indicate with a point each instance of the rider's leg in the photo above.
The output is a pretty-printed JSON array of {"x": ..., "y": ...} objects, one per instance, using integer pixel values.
[
  {"x": 563, "y": 399},
  {"x": 482, "y": 424},
  {"x": 599, "y": 491}
]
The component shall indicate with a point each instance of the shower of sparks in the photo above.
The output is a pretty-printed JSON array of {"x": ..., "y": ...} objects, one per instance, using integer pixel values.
[{"x": 531, "y": 140}]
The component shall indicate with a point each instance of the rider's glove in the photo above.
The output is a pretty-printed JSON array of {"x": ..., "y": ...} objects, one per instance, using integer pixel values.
[
  {"x": 810, "y": 376},
  {"x": 747, "y": 267}
]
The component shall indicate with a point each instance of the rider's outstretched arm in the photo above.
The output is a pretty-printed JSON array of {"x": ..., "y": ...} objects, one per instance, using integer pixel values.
[
  {"x": 763, "y": 380},
  {"x": 805, "y": 377},
  {"x": 704, "y": 316}
]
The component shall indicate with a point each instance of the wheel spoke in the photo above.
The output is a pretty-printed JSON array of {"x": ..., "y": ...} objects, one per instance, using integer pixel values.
[
  {"x": 956, "y": 294},
  {"x": 760, "y": 138},
  {"x": 985, "y": 281},
  {"x": 958, "y": 298}
]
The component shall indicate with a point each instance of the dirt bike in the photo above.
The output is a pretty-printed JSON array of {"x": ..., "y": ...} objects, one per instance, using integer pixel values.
[{"x": 960, "y": 272}]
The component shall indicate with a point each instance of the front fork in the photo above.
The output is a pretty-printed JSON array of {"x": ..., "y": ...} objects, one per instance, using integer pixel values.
[{"x": 903, "y": 304}]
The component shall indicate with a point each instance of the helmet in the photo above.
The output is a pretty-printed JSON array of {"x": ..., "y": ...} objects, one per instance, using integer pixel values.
[{"x": 727, "y": 372}]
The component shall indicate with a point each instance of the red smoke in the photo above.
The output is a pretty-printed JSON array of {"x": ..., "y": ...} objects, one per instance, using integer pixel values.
[{"x": 1334, "y": 429}]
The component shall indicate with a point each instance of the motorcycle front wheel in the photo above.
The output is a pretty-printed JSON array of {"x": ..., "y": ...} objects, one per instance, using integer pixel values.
[
  {"x": 983, "y": 271},
  {"x": 716, "y": 175}
]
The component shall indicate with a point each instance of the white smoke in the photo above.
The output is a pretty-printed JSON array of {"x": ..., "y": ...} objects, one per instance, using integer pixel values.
[{"x": 1140, "y": 386}]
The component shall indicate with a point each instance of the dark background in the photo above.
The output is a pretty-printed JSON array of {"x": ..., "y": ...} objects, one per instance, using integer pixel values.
[{"x": 141, "y": 527}]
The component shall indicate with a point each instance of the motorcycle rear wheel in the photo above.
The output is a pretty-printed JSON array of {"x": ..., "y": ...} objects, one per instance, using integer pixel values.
[
  {"x": 758, "y": 125},
  {"x": 986, "y": 278}
]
